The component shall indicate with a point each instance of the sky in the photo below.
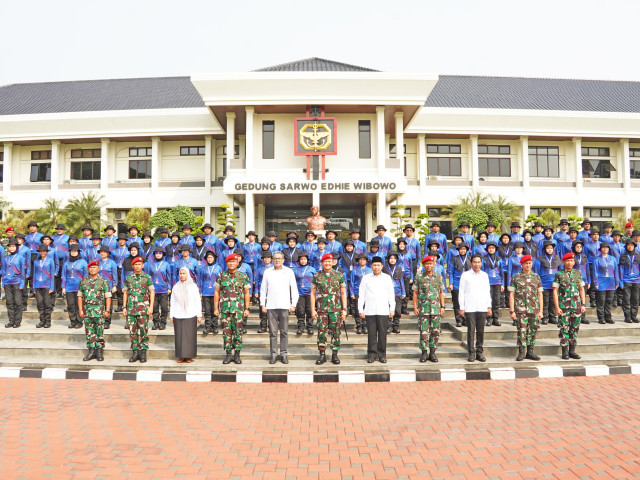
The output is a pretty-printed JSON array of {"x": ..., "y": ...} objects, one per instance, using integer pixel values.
[{"x": 44, "y": 40}]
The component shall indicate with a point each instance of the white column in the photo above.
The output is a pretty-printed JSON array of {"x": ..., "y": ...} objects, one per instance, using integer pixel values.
[
  {"x": 7, "y": 167},
  {"x": 399, "y": 117},
  {"x": 577, "y": 149},
  {"x": 231, "y": 136},
  {"x": 315, "y": 198},
  {"x": 380, "y": 140},
  {"x": 156, "y": 144},
  {"x": 422, "y": 160},
  {"x": 239, "y": 226},
  {"x": 526, "y": 183},
  {"x": 249, "y": 139},
  {"x": 370, "y": 222},
  {"x": 473, "y": 161},
  {"x": 104, "y": 165},
  {"x": 55, "y": 166},
  {"x": 262, "y": 223},
  {"x": 207, "y": 163},
  {"x": 249, "y": 213},
  {"x": 625, "y": 175},
  {"x": 381, "y": 210}
]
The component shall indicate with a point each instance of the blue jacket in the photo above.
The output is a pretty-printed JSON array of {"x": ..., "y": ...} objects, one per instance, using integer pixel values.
[
  {"x": 440, "y": 238},
  {"x": 275, "y": 247},
  {"x": 119, "y": 254},
  {"x": 530, "y": 248},
  {"x": 629, "y": 265},
  {"x": 585, "y": 237},
  {"x": 309, "y": 247},
  {"x": 547, "y": 269},
  {"x": 72, "y": 273},
  {"x": 332, "y": 246},
  {"x": 304, "y": 276},
  {"x": 259, "y": 274},
  {"x": 413, "y": 246},
  {"x": 359, "y": 246},
  {"x": 109, "y": 271},
  {"x": 91, "y": 254},
  {"x": 225, "y": 250},
  {"x": 15, "y": 270},
  {"x": 593, "y": 251},
  {"x": 616, "y": 249},
  {"x": 189, "y": 262},
  {"x": 407, "y": 261},
  {"x": 370, "y": 256},
  {"x": 397, "y": 276},
  {"x": 251, "y": 252},
  {"x": 561, "y": 237},
  {"x": 111, "y": 242},
  {"x": 61, "y": 244},
  {"x": 26, "y": 255},
  {"x": 493, "y": 268},
  {"x": 86, "y": 243},
  {"x": 356, "y": 278},
  {"x": 536, "y": 237},
  {"x": 247, "y": 270},
  {"x": 162, "y": 242},
  {"x": 44, "y": 272},
  {"x": 385, "y": 245},
  {"x": 582, "y": 264},
  {"x": 469, "y": 240},
  {"x": 493, "y": 237},
  {"x": 456, "y": 268},
  {"x": 188, "y": 239},
  {"x": 211, "y": 242},
  {"x": 516, "y": 237},
  {"x": 130, "y": 240},
  {"x": 605, "y": 273},
  {"x": 207, "y": 278},
  {"x": 514, "y": 267},
  {"x": 541, "y": 250},
  {"x": 563, "y": 247},
  {"x": 480, "y": 249},
  {"x": 32, "y": 240},
  {"x": 316, "y": 256}
]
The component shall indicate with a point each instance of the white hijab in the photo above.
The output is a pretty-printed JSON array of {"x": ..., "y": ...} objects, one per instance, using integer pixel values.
[{"x": 180, "y": 291}]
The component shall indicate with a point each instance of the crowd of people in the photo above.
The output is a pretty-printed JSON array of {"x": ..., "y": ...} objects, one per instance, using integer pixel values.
[{"x": 541, "y": 275}]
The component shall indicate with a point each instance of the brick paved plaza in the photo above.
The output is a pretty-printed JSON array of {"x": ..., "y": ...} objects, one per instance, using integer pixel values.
[{"x": 586, "y": 427}]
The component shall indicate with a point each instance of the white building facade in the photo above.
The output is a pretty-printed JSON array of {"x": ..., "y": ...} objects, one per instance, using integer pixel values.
[{"x": 572, "y": 145}]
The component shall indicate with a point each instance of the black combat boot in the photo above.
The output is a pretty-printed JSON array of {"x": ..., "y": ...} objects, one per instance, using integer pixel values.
[
  {"x": 432, "y": 356},
  {"x": 142, "y": 355},
  {"x": 47, "y": 324},
  {"x": 40, "y": 325},
  {"x": 364, "y": 329},
  {"x": 572, "y": 352},
  {"x": 531, "y": 354},
  {"x": 300, "y": 329},
  {"x": 423, "y": 357},
  {"x": 134, "y": 356},
  {"x": 310, "y": 330},
  {"x": 156, "y": 326},
  {"x": 273, "y": 358},
  {"x": 520, "y": 356},
  {"x": 584, "y": 321},
  {"x": 227, "y": 358},
  {"x": 334, "y": 358},
  {"x": 565, "y": 352},
  {"x": 163, "y": 325},
  {"x": 99, "y": 355},
  {"x": 236, "y": 358},
  {"x": 90, "y": 355},
  {"x": 359, "y": 330},
  {"x": 107, "y": 324},
  {"x": 8, "y": 325},
  {"x": 322, "y": 358},
  {"x": 371, "y": 358},
  {"x": 488, "y": 322},
  {"x": 214, "y": 329}
]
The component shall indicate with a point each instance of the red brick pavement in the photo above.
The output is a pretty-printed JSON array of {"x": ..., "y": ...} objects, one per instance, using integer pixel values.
[{"x": 554, "y": 428}]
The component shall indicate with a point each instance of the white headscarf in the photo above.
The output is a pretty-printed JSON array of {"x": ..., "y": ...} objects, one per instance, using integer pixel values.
[{"x": 180, "y": 291}]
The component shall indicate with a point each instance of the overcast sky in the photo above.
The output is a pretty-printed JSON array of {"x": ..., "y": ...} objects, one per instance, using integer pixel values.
[{"x": 44, "y": 40}]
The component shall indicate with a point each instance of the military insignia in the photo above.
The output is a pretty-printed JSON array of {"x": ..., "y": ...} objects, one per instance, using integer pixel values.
[{"x": 315, "y": 136}]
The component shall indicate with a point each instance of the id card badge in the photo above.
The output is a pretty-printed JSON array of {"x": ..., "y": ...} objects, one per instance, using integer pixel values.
[
  {"x": 40, "y": 279},
  {"x": 210, "y": 285},
  {"x": 494, "y": 273},
  {"x": 550, "y": 271}
]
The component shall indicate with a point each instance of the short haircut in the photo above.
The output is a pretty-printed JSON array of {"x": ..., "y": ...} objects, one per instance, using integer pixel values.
[
  {"x": 476, "y": 255},
  {"x": 278, "y": 253}
]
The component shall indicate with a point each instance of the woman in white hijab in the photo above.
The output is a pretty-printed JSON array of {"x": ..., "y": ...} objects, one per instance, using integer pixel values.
[{"x": 186, "y": 308}]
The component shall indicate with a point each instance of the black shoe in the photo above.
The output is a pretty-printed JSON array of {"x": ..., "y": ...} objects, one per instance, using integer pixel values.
[
  {"x": 107, "y": 326},
  {"x": 90, "y": 355},
  {"x": 371, "y": 358},
  {"x": 322, "y": 358},
  {"x": 572, "y": 352},
  {"x": 611, "y": 320},
  {"x": 382, "y": 360},
  {"x": 601, "y": 322},
  {"x": 488, "y": 323},
  {"x": 458, "y": 323},
  {"x": 480, "y": 357},
  {"x": 388, "y": 329},
  {"x": 142, "y": 355},
  {"x": 284, "y": 359},
  {"x": 635, "y": 320},
  {"x": 134, "y": 356},
  {"x": 334, "y": 358},
  {"x": 496, "y": 323},
  {"x": 71, "y": 325},
  {"x": 310, "y": 330},
  {"x": 227, "y": 358},
  {"x": 626, "y": 320},
  {"x": 244, "y": 330},
  {"x": 565, "y": 352},
  {"x": 47, "y": 325},
  {"x": 423, "y": 357},
  {"x": 395, "y": 329},
  {"x": 404, "y": 311},
  {"x": 41, "y": 324},
  {"x": 585, "y": 321},
  {"x": 299, "y": 332},
  {"x": 471, "y": 357},
  {"x": 261, "y": 330},
  {"x": 531, "y": 354},
  {"x": 273, "y": 358},
  {"x": 432, "y": 356},
  {"x": 78, "y": 325},
  {"x": 553, "y": 321},
  {"x": 520, "y": 356},
  {"x": 117, "y": 309},
  {"x": 214, "y": 329},
  {"x": 99, "y": 355},
  {"x": 24, "y": 309},
  {"x": 16, "y": 325},
  {"x": 544, "y": 321},
  {"x": 65, "y": 310},
  {"x": 514, "y": 323},
  {"x": 155, "y": 326},
  {"x": 359, "y": 330},
  {"x": 364, "y": 330},
  {"x": 236, "y": 358}
]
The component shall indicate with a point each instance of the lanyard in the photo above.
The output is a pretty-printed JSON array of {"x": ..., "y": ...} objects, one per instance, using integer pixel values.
[
  {"x": 493, "y": 262},
  {"x": 393, "y": 272},
  {"x": 550, "y": 260},
  {"x": 465, "y": 259}
]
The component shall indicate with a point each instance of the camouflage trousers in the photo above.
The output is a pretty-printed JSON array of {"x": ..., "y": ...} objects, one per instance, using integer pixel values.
[
  {"x": 232, "y": 326},
  {"x": 429, "y": 331},
  {"x": 328, "y": 322},
  {"x": 94, "y": 329},
  {"x": 527, "y": 324},
  {"x": 138, "y": 331},
  {"x": 569, "y": 324}
]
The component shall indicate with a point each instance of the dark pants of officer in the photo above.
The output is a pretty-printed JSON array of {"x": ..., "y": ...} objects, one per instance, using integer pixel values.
[
  {"x": 504, "y": 298},
  {"x": 303, "y": 312},
  {"x": 475, "y": 328},
  {"x": 604, "y": 303},
  {"x": 630, "y": 301},
  {"x": 58, "y": 280},
  {"x": 14, "y": 303},
  {"x": 33, "y": 259},
  {"x": 455, "y": 294},
  {"x": 72, "y": 308},
  {"x": 119, "y": 289},
  {"x": 161, "y": 309},
  {"x": 377, "y": 340},
  {"x": 210, "y": 320},
  {"x": 619, "y": 296},
  {"x": 407, "y": 289},
  {"x": 495, "y": 304},
  {"x": 44, "y": 300},
  {"x": 592, "y": 291},
  {"x": 548, "y": 307},
  {"x": 395, "y": 323}
]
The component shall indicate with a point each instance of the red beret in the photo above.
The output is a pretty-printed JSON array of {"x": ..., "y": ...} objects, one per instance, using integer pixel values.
[
  {"x": 10, "y": 229},
  {"x": 566, "y": 256},
  {"x": 231, "y": 256},
  {"x": 97, "y": 263},
  {"x": 525, "y": 258},
  {"x": 326, "y": 256},
  {"x": 428, "y": 258},
  {"x": 629, "y": 224},
  {"x": 136, "y": 260}
]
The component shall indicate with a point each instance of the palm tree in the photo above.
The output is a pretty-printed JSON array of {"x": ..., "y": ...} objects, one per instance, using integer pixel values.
[
  {"x": 510, "y": 210},
  {"x": 84, "y": 210},
  {"x": 472, "y": 200},
  {"x": 49, "y": 215}
]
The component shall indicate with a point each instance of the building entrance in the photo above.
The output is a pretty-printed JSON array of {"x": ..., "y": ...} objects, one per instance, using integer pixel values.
[{"x": 283, "y": 219}]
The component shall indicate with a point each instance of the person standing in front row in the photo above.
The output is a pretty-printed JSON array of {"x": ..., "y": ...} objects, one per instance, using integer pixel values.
[
  {"x": 376, "y": 305},
  {"x": 94, "y": 305},
  {"x": 475, "y": 306},
  {"x": 186, "y": 309},
  {"x": 428, "y": 304},
  {"x": 569, "y": 299},
  {"x": 44, "y": 271},
  {"x": 525, "y": 302},
  {"x": 138, "y": 298}
]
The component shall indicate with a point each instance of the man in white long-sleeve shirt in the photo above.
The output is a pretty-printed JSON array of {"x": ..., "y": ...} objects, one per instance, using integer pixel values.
[
  {"x": 377, "y": 304},
  {"x": 475, "y": 306},
  {"x": 278, "y": 298}
]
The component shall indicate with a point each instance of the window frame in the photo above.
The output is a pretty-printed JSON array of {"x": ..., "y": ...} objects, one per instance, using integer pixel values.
[
  {"x": 81, "y": 165},
  {"x": 147, "y": 150},
  {"x": 40, "y": 166},
  {"x": 85, "y": 153},
  {"x": 364, "y": 139},
  {"x": 137, "y": 162},
  {"x": 268, "y": 139},
  {"x": 537, "y": 160},
  {"x": 40, "y": 155},
  {"x": 501, "y": 164},
  {"x": 635, "y": 169},
  {"x": 440, "y": 163},
  {"x": 200, "y": 150}
]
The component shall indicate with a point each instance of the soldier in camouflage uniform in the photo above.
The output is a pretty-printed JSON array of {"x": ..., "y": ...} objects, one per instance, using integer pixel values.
[
  {"x": 328, "y": 307},
  {"x": 569, "y": 298},
  {"x": 138, "y": 297},
  {"x": 428, "y": 304},
  {"x": 231, "y": 303},
  {"x": 525, "y": 302},
  {"x": 94, "y": 305}
]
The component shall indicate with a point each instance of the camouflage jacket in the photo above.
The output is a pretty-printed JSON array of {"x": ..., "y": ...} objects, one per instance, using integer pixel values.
[
  {"x": 94, "y": 292},
  {"x": 138, "y": 288},
  {"x": 568, "y": 284},
  {"x": 231, "y": 287},
  {"x": 526, "y": 287},
  {"x": 328, "y": 296},
  {"x": 428, "y": 288}
]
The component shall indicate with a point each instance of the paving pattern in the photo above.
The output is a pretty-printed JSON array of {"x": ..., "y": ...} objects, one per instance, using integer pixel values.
[{"x": 572, "y": 427}]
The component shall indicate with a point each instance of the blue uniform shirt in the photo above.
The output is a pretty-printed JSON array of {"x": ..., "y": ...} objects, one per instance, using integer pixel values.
[
  {"x": 15, "y": 270},
  {"x": 304, "y": 276},
  {"x": 492, "y": 266},
  {"x": 605, "y": 273},
  {"x": 108, "y": 271},
  {"x": 356, "y": 278},
  {"x": 44, "y": 272},
  {"x": 207, "y": 278},
  {"x": 73, "y": 273},
  {"x": 32, "y": 240},
  {"x": 110, "y": 242}
]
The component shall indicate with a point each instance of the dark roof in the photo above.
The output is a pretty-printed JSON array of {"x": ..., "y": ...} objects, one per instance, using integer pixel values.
[
  {"x": 453, "y": 91},
  {"x": 99, "y": 95},
  {"x": 315, "y": 64}
]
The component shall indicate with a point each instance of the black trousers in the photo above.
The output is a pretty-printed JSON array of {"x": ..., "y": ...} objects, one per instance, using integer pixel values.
[
  {"x": 161, "y": 309},
  {"x": 14, "y": 303},
  {"x": 303, "y": 311},
  {"x": 397, "y": 313},
  {"x": 630, "y": 300},
  {"x": 455, "y": 295},
  {"x": 72, "y": 308},
  {"x": 604, "y": 303},
  {"x": 408, "y": 292},
  {"x": 118, "y": 295},
  {"x": 377, "y": 339},
  {"x": 548, "y": 307},
  {"x": 475, "y": 328},
  {"x": 495, "y": 303},
  {"x": 208, "y": 307},
  {"x": 58, "y": 279},
  {"x": 32, "y": 259},
  {"x": 356, "y": 313},
  {"x": 504, "y": 298},
  {"x": 619, "y": 296},
  {"x": 44, "y": 300},
  {"x": 592, "y": 291}
]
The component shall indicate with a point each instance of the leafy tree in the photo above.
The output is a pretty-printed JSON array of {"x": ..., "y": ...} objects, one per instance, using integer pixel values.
[
  {"x": 494, "y": 214},
  {"x": 182, "y": 215},
  {"x": 163, "y": 218},
  {"x": 510, "y": 211},
  {"x": 50, "y": 214},
  {"x": 17, "y": 219},
  {"x": 475, "y": 216},
  {"x": 400, "y": 215},
  {"x": 225, "y": 217},
  {"x": 575, "y": 221},
  {"x": 531, "y": 221},
  {"x": 84, "y": 210},
  {"x": 140, "y": 217},
  {"x": 550, "y": 217},
  {"x": 422, "y": 226},
  {"x": 476, "y": 205}
]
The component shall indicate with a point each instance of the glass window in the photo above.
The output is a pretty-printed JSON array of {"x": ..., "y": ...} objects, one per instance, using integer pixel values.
[
  {"x": 634, "y": 152},
  {"x": 600, "y": 212},
  {"x": 86, "y": 153},
  {"x": 184, "y": 151},
  {"x": 494, "y": 167},
  {"x": 595, "y": 151},
  {"x": 537, "y": 211},
  {"x": 85, "y": 170},
  {"x": 236, "y": 150},
  {"x": 140, "y": 151},
  {"x": 544, "y": 162},
  {"x": 139, "y": 169},
  {"x": 392, "y": 148},
  {"x": 635, "y": 168},
  {"x": 494, "y": 149},
  {"x": 364, "y": 138},
  {"x": 41, "y": 155},
  {"x": 434, "y": 212},
  {"x": 445, "y": 166},
  {"x": 597, "y": 169},
  {"x": 447, "y": 149},
  {"x": 268, "y": 139},
  {"x": 1, "y": 172},
  {"x": 40, "y": 172}
]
